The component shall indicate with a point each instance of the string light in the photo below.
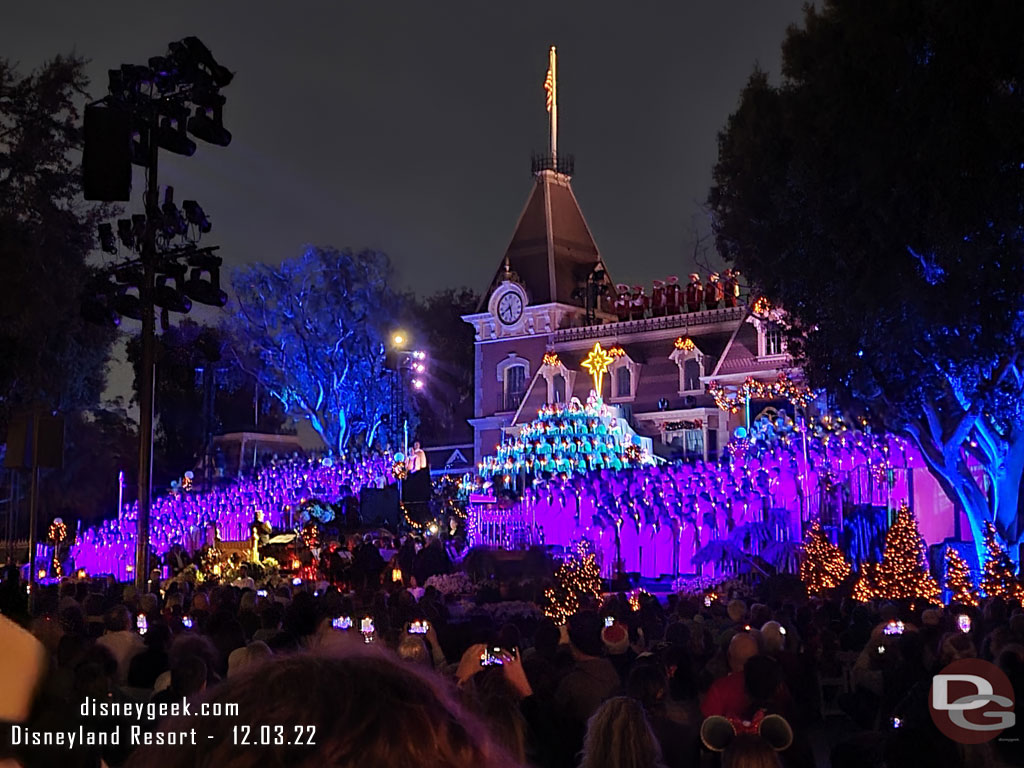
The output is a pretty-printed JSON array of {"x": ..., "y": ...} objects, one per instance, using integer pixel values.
[
  {"x": 684, "y": 344},
  {"x": 903, "y": 573},
  {"x": 761, "y": 306},
  {"x": 958, "y": 580},
  {"x": 998, "y": 578},
  {"x": 823, "y": 567},
  {"x": 577, "y": 578},
  {"x": 752, "y": 389}
]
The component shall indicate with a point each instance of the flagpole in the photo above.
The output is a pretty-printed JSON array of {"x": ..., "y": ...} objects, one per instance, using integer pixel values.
[{"x": 554, "y": 106}]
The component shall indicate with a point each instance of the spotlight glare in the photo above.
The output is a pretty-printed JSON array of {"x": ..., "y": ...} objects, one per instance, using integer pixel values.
[
  {"x": 418, "y": 383},
  {"x": 398, "y": 339}
]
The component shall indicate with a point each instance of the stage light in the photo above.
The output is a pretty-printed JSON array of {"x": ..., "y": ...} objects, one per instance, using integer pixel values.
[
  {"x": 107, "y": 240},
  {"x": 125, "y": 233},
  {"x": 95, "y": 308},
  {"x": 419, "y": 367},
  {"x": 221, "y": 75},
  {"x": 171, "y": 298},
  {"x": 165, "y": 73},
  {"x": 127, "y": 304},
  {"x": 194, "y": 214},
  {"x": 209, "y": 129},
  {"x": 172, "y": 223},
  {"x": 419, "y": 355},
  {"x": 417, "y": 383},
  {"x": 170, "y": 135},
  {"x": 204, "y": 292},
  {"x": 398, "y": 339}
]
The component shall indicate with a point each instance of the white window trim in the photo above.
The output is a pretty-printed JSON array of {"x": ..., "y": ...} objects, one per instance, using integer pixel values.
[
  {"x": 624, "y": 361},
  {"x": 512, "y": 360},
  {"x": 762, "y": 324},
  {"x": 680, "y": 357},
  {"x": 549, "y": 372}
]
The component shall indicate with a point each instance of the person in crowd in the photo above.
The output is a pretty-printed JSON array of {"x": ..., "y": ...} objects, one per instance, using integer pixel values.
[
  {"x": 353, "y": 708},
  {"x": 121, "y": 639},
  {"x": 727, "y": 696},
  {"x": 619, "y": 736}
]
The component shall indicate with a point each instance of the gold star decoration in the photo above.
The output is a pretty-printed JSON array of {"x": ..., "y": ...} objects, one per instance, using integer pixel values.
[{"x": 597, "y": 363}]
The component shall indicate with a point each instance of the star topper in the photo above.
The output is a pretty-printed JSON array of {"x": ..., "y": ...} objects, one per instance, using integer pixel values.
[{"x": 597, "y": 363}]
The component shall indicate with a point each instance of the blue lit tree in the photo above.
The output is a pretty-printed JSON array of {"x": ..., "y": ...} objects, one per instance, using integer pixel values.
[
  {"x": 877, "y": 194},
  {"x": 313, "y": 333}
]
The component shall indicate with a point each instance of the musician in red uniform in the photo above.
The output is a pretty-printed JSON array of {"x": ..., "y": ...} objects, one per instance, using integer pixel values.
[
  {"x": 658, "y": 299},
  {"x": 714, "y": 291},
  {"x": 694, "y": 293},
  {"x": 638, "y": 304},
  {"x": 731, "y": 287},
  {"x": 673, "y": 296},
  {"x": 622, "y": 301}
]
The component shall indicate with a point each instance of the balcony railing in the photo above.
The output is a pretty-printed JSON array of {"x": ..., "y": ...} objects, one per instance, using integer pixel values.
[{"x": 684, "y": 320}]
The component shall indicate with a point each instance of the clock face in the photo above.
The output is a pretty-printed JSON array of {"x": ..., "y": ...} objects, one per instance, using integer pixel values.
[{"x": 510, "y": 308}]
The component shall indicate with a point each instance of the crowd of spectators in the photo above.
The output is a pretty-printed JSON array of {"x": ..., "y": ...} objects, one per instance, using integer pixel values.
[{"x": 620, "y": 684}]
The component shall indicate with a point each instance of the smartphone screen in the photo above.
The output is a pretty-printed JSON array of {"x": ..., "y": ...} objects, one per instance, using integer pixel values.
[
  {"x": 491, "y": 657},
  {"x": 609, "y": 620},
  {"x": 186, "y": 621},
  {"x": 141, "y": 624},
  {"x": 341, "y": 622},
  {"x": 963, "y": 623},
  {"x": 419, "y": 628}
]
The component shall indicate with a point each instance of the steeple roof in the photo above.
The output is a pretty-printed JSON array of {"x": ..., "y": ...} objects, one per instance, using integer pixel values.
[{"x": 552, "y": 250}]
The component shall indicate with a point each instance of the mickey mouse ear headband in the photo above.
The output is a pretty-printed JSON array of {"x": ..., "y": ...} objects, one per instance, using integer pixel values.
[{"x": 718, "y": 732}]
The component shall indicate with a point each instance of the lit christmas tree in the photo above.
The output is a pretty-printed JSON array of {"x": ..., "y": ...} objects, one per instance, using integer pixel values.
[
  {"x": 576, "y": 578},
  {"x": 903, "y": 573},
  {"x": 864, "y": 590},
  {"x": 823, "y": 567},
  {"x": 999, "y": 579},
  {"x": 958, "y": 580}
]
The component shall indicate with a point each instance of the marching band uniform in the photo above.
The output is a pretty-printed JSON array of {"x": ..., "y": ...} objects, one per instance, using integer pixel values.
[
  {"x": 731, "y": 288},
  {"x": 673, "y": 296},
  {"x": 714, "y": 292},
  {"x": 658, "y": 297},
  {"x": 622, "y": 302},
  {"x": 694, "y": 293},
  {"x": 638, "y": 303}
]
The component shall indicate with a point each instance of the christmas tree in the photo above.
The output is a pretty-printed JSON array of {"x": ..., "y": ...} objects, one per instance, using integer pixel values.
[
  {"x": 576, "y": 578},
  {"x": 823, "y": 567},
  {"x": 864, "y": 590},
  {"x": 999, "y": 579},
  {"x": 903, "y": 573},
  {"x": 958, "y": 580}
]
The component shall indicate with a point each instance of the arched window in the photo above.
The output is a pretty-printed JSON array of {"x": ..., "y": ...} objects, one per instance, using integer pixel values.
[
  {"x": 558, "y": 388},
  {"x": 691, "y": 375},
  {"x": 515, "y": 386},
  {"x": 623, "y": 382}
]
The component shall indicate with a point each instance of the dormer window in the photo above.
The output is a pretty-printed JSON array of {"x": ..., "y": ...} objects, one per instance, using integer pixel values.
[
  {"x": 625, "y": 375},
  {"x": 690, "y": 361}
]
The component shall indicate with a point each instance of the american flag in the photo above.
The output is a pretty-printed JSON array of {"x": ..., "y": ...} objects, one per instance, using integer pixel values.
[{"x": 549, "y": 86}]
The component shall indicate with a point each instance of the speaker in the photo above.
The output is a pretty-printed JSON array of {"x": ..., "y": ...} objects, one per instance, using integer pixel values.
[
  {"x": 19, "y": 441},
  {"x": 107, "y": 157}
]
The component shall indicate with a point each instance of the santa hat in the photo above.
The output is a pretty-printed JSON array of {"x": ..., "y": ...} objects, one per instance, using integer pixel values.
[
  {"x": 673, "y": 279},
  {"x": 622, "y": 288},
  {"x": 638, "y": 289},
  {"x": 694, "y": 276},
  {"x": 713, "y": 276},
  {"x": 615, "y": 639},
  {"x": 659, "y": 283}
]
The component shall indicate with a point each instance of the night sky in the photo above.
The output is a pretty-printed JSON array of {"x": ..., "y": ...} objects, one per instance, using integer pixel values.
[{"x": 408, "y": 126}]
